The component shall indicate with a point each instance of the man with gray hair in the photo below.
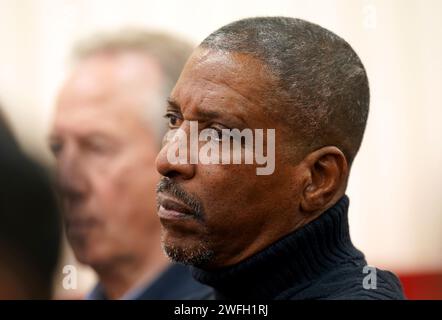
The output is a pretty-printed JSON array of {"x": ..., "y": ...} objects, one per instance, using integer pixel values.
[
  {"x": 106, "y": 133},
  {"x": 284, "y": 235}
]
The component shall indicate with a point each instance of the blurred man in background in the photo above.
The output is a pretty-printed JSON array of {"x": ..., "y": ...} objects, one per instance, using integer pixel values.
[
  {"x": 29, "y": 224},
  {"x": 107, "y": 131}
]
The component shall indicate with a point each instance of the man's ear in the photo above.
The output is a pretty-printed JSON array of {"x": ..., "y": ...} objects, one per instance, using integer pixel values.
[{"x": 327, "y": 173}]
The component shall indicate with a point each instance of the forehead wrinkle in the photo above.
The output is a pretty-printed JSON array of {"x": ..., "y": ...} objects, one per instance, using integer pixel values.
[
  {"x": 229, "y": 87},
  {"x": 197, "y": 101},
  {"x": 81, "y": 119}
]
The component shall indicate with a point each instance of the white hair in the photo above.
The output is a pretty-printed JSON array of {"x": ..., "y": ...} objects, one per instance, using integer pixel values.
[{"x": 170, "y": 52}]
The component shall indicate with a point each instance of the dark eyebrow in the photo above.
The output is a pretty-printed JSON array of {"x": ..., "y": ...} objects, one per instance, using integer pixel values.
[
  {"x": 206, "y": 114},
  {"x": 52, "y": 136},
  {"x": 203, "y": 114},
  {"x": 172, "y": 103}
]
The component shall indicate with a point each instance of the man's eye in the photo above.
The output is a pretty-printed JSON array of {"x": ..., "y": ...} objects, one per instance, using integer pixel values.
[
  {"x": 56, "y": 147},
  {"x": 174, "y": 120},
  {"x": 218, "y": 134},
  {"x": 98, "y": 146},
  {"x": 221, "y": 134}
]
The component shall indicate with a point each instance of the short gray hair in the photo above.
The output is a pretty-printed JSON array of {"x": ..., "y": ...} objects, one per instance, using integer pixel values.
[
  {"x": 169, "y": 51},
  {"x": 322, "y": 90}
]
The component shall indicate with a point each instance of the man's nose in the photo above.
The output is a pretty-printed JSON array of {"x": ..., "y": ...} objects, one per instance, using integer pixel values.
[
  {"x": 71, "y": 179},
  {"x": 174, "y": 169}
]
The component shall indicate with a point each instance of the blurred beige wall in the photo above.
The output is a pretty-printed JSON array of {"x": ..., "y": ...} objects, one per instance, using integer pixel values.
[{"x": 396, "y": 182}]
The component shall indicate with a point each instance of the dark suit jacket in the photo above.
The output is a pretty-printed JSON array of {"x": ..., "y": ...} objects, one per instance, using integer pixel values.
[{"x": 175, "y": 283}]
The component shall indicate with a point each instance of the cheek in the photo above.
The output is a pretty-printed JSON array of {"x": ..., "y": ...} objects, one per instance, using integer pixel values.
[
  {"x": 110, "y": 185},
  {"x": 234, "y": 195},
  {"x": 231, "y": 193},
  {"x": 128, "y": 191}
]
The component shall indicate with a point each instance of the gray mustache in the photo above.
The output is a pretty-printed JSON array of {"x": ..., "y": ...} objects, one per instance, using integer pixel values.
[{"x": 170, "y": 187}]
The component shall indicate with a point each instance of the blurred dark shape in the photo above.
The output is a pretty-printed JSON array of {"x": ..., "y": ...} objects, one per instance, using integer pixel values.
[
  {"x": 29, "y": 224},
  {"x": 7, "y": 139}
]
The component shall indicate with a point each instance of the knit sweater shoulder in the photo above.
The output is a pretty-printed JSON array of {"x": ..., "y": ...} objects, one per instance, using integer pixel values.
[{"x": 317, "y": 261}]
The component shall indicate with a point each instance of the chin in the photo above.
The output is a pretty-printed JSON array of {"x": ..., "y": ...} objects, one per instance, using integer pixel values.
[
  {"x": 190, "y": 251},
  {"x": 90, "y": 254},
  {"x": 84, "y": 256}
]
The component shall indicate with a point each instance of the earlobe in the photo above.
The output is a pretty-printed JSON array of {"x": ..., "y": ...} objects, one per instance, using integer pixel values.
[{"x": 328, "y": 171}]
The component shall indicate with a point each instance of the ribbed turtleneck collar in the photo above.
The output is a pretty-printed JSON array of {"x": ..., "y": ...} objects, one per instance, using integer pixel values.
[{"x": 294, "y": 260}]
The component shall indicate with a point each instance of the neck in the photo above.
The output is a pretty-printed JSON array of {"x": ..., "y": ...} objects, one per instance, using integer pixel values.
[
  {"x": 296, "y": 259},
  {"x": 126, "y": 275}
]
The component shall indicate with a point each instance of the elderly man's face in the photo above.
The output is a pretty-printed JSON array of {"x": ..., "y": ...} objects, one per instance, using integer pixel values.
[
  {"x": 105, "y": 156},
  {"x": 239, "y": 212}
]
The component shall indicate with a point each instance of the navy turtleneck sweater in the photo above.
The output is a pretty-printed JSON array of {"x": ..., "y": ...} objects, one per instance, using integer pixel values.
[{"x": 317, "y": 261}]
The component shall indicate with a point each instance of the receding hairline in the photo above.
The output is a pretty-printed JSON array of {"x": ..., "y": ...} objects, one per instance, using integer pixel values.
[
  {"x": 168, "y": 51},
  {"x": 317, "y": 72}
]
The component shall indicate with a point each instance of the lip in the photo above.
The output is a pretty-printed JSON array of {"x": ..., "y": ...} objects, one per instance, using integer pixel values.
[
  {"x": 77, "y": 225},
  {"x": 172, "y": 209}
]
